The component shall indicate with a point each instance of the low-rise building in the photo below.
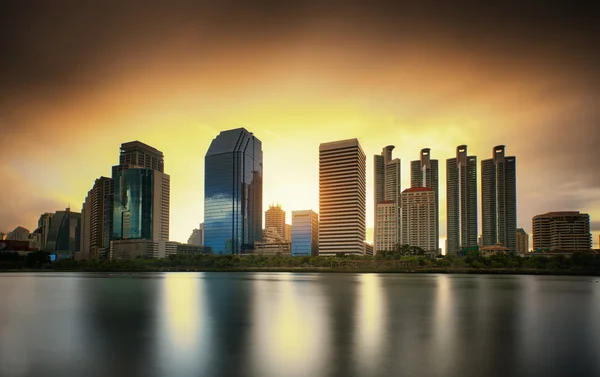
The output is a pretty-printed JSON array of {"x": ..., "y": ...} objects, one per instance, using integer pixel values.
[
  {"x": 498, "y": 248},
  {"x": 186, "y": 248},
  {"x": 140, "y": 248},
  {"x": 273, "y": 248}
]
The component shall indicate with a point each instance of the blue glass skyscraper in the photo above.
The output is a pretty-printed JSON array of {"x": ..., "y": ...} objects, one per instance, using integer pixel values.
[
  {"x": 233, "y": 192},
  {"x": 305, "y": 233}
]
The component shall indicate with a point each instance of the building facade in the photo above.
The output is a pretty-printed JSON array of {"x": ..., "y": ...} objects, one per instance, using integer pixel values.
[
  {"x": 522, "y": 241},
  {"x": 97, "y": 220},
  {"x": 342, "y": 197},
  {"x": 425, "y": 173},
  {"x": 197, "y": 236},
  {"x": 44, "y": 229},
  {"x": 499, "y": 199},
  {"x": 275, "y": 218},
  {"x": 388, "y": 176},
  {"x": 418, "y": 218},
  {"x": 565, "y": 232},
  {"x": 18, "y": 234},
  {"x": 288, "y": 232},
  {"x": 461, "y": 201},
  {"x": 141, "y": 205},
  {"x": 64, "y": 234},
  {"x": 233, "y": 172},
  {"x": 387, "y": 231},
  {"x": 305, "y": 233},
  {"x": 141, "y": 248}
]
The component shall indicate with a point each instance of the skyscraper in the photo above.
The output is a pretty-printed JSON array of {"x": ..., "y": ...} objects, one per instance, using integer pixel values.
[
  {"x": 461, "y": 194},
  {"x": 567, "y": 232},
  {"x": 425, "y": 173},
  {"x": 97, "y": 219},
  {"x": 44, "y": 229},
  {"x": 342, "y": 197},
  {"x": 197, "y": 237},
  {"x": 275, "y": 218},
  {"x": 141, "y": 194},
  {"x": 418, "y": 218},
  {"x": 387, "y": 200},
  {"x": 233, "y": 174},
  {"x": 305, "y": 233},
  {"x": 64, "y": 234},
  {"x": 499, "y": 199}
]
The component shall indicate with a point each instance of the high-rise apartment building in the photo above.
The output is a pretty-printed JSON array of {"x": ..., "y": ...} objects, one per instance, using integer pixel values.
[
  {"x": 425, "y": 173},
  {"x": 461, "y": 201},
  {"x": 305, "y": 233},
  {"x": 566, "y": 232},
  {"x": 342, "y": 197},
  {"x": 418, "y": 218},
  {"x": 233, "y": 174},
  {"x": 499, "y": 199},
  {"x": 97, "y": 220},
  {"x": 275, "y": 218},
  {"x": 141, "y": 202},
  {"x": 387, "y": 200},
  {"x": 522, "y": 241}
]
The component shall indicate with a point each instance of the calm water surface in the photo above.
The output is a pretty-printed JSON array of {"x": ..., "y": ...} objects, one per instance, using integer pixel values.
[{"x": 280, "y": 324}]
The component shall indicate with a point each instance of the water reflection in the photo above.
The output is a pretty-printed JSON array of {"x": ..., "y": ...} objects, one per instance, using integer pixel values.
[{"x": 370, "y": 322}]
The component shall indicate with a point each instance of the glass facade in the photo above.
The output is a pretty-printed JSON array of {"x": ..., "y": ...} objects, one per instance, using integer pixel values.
[
  {"x": 64, "y": 233},
  {"x": 233, "y": 192},
  {"x": 133, "y": 201},
  {"x": 305, "y": 233}
]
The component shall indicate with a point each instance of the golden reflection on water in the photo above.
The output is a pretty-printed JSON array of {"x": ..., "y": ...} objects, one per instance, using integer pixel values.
[
  {"x": 181, "y": 309},
  {"x": 371, "y": 318}
]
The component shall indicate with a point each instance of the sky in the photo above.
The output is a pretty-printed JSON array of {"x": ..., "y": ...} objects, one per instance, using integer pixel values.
[{"x": 77, "y": 79}]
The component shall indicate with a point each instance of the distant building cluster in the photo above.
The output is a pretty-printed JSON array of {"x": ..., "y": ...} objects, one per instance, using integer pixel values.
[{"x": 126, "y": 216}]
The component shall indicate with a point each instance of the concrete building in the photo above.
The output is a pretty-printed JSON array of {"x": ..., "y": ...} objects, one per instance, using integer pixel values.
[
  {"x": 565, "y": 232},
  {"x": 342, "y": 197},
  {"x": 387, "y": 231},
  {"x": 425, "y": 173},
  {"x": 488, "y": 251},
  {"x": 388, "y": 177},
  {"x": 233, "y": 176},
  {"x": 275, "y": 218},
  {"x": 18, "y": 234},
  {"x": 197, "y": 237},
  {"x": 272, "y": 248},
  {"x": 461, "y": 201},
  {"x": 305, "y": 233},
  {"x": 368, "y": 248},
  {"x": 97, "y": 220},
  {"x": 418, "y": 218},
  {"x": 522, "y": 240},
  {"x": 140, "y": 248},
  {"x": 499, "y": 199},
  {"x": 141, "y": 194}
]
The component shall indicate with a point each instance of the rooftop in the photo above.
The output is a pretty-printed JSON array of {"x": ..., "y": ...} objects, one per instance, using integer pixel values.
[
  {"x": 560, "y": 214},
  {"x": 133, "y": 146},
  {"x": 417, "y": 189}
]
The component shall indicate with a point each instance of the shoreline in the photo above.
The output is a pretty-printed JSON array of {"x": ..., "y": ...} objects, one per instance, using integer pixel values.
[{"x": 448, "y": 271}]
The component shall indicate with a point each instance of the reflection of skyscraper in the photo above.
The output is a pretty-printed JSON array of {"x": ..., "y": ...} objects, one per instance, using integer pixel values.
[
  {"x": 275, "y": 218},
  {"x": 342, "y": 197},
  {"x": 499, "y": 199},
  {"x": 461, "y": 188},
  {"x": 424, "y": 173},
  {"x": 141, "y": 194},
  {"x": 387, "y": 200},
  {"x": 97, "y": 219},
  {"x": 305, "y": 233},
  {"x": 233, "y": 192}
]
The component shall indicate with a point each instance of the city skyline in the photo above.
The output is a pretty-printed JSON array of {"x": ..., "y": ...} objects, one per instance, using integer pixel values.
[{"x": 297, "y": 77}]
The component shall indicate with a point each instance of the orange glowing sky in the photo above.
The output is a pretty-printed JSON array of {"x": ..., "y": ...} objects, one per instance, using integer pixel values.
[{"x": 175, "y": 76}]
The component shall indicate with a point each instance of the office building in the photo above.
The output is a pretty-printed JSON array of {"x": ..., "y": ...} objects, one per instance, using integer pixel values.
[
  {"x": 564, "y": 232},
  {"x": 64, "y": 234},
  {"x": 342, "y": 197},
  {"x": 305, "y": 233},
  {"x": 499, "y": 199},
  {"x": 368, "y": 248},
  {"x": 418, "y": 218},
  {"x": 288, "y": 232},
  {"x": 97, "y": 220},
  {"x": 387, "y": 200},
  {"x": 197, "y": 237},
  {"x": 461, "y": 201},
  {"x": 425, "y": 173},
  {"x": 141, "y": 248},
  {"x": 141, "y": 194},
  {"x": 275, "y": 218},
  {"x": 44, "y": 228},
  {"x": 267, "y": 248},
  {"x": 522, "y": 241},
  {"x": 233, "y": 174}
]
